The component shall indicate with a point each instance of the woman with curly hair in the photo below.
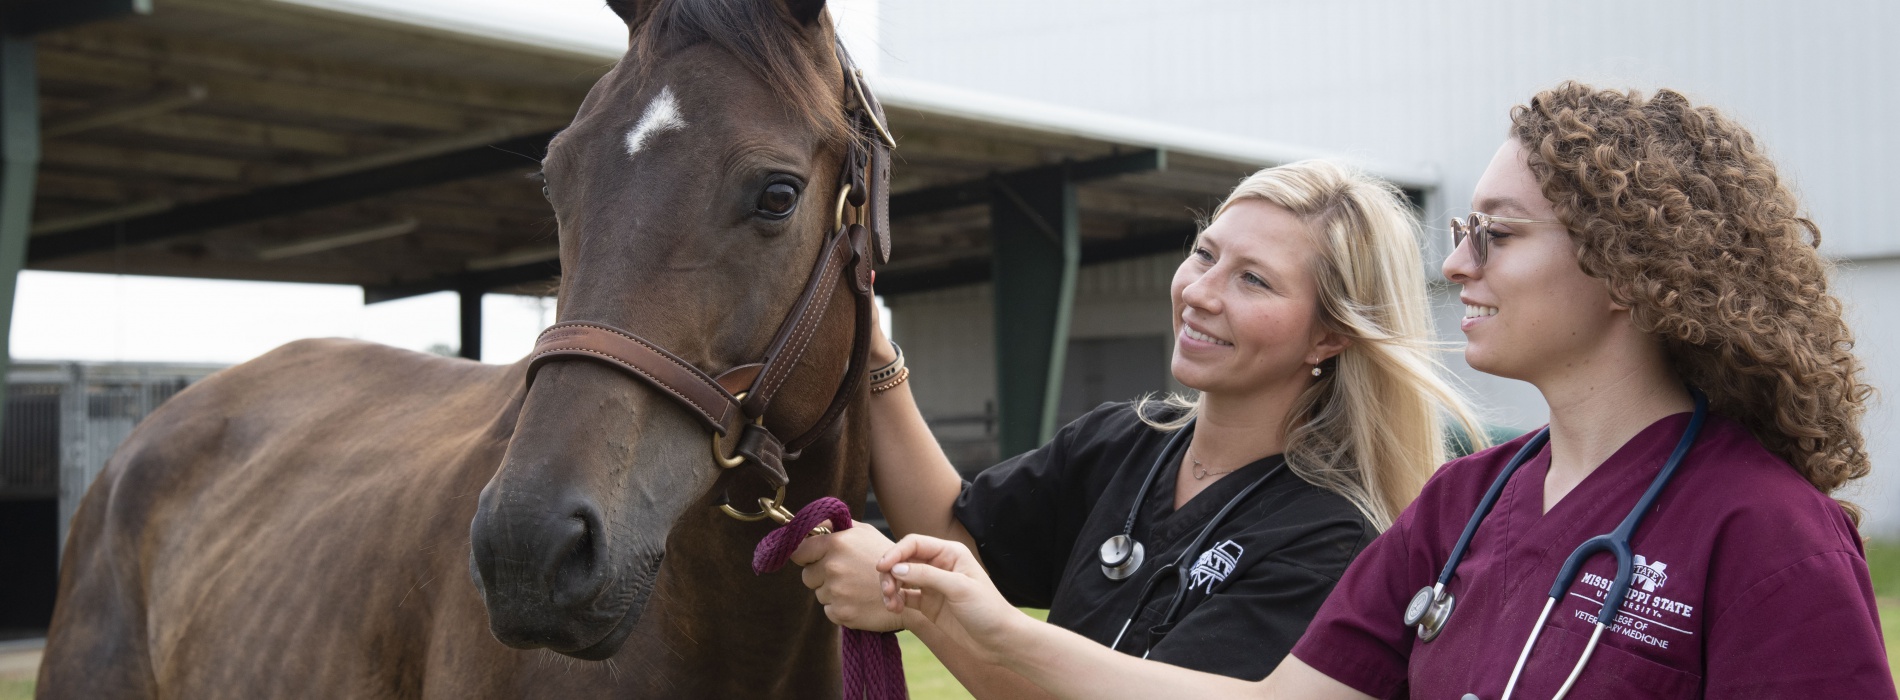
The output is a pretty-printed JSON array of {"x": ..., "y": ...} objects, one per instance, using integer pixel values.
[{"x": 1640, "y": 262}]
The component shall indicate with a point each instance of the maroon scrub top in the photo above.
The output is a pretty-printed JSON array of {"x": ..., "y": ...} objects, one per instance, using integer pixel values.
[{"x": 1750, "y": 583}]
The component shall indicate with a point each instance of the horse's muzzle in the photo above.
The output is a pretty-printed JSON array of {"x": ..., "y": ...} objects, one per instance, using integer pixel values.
[{"x": 546, "y": 575}]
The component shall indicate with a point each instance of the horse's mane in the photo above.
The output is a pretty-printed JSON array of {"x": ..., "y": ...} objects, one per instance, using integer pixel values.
[{"x": 765, "y": 38}]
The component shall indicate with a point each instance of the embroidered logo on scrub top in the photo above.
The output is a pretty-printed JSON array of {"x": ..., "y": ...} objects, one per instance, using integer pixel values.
[
  {"x": 1649, "y": 574},
  {"x": 1647, "y": 616},
  {"x": 1214, "y": 565}
]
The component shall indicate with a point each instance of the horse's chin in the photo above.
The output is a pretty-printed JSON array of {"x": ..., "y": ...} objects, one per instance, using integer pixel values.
[
  {"x": 637, "y": 589},
  {"x": 610, "y": 644},
  {"x": 618, "y": 611}
]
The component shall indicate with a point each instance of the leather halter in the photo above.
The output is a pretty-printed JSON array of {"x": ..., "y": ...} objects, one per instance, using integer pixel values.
[{"x": 733, "y": 405}]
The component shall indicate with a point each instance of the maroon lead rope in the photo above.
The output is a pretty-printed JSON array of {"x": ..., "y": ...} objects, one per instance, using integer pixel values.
[{"x": 873, "y": 666}]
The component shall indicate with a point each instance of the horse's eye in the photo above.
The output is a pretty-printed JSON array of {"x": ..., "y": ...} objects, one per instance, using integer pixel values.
[{"x": 777, "y": 200}]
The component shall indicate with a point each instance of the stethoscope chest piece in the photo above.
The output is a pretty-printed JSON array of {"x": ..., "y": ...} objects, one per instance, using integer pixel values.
[
  {"x": 1428, "y": 611},
  {"x": 1121, "y": 557}
]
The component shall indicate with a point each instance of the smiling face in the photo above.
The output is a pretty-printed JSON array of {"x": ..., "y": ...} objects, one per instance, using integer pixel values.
[
  {"x": 1246, "y": 304},
  {"x": 1530, "y": 311}
]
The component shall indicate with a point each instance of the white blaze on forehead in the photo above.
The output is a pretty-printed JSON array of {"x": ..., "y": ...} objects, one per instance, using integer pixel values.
[{"x": 661, "y": 115}]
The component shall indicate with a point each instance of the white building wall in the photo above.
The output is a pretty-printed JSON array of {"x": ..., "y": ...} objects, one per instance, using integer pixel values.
[{"x": 1431, "y": 82}]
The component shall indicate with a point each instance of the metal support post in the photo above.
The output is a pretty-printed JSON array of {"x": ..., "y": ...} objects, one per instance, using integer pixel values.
[
  {"x": 471, "y": 323},
  {"x": 19, "y": 167},
  {"x": 1037, "y": 242}
]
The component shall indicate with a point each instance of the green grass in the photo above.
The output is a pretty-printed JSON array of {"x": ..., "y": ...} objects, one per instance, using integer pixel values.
[
  {"x": 20, "y": 690},
  {"x": 1883, "y": 562}
]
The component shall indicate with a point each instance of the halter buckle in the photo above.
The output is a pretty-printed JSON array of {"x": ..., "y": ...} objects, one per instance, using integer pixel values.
[{"x": 735, "y": 460}]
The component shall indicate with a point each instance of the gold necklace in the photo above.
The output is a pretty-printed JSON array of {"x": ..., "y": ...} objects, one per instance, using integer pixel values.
[{"x": 1201, "y": 472}]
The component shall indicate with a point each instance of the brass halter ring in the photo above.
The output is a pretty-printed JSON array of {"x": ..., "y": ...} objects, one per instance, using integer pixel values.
[
  {"x": 723, "y": 461},
  {"x": 837, "y": 215},
  {"x": 769, "y": 507},
  {"x": 857, "y": 85}
]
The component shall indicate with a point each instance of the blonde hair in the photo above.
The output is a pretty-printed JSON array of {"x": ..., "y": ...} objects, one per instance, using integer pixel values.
[{"x": 1371, "y": 427}]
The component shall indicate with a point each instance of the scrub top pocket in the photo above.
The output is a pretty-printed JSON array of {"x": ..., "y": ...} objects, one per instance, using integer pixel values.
[{"x": 1613, "y": 674}]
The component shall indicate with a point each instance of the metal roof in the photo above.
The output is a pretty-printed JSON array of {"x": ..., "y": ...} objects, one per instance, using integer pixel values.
[{"x": 358, "y": 142}]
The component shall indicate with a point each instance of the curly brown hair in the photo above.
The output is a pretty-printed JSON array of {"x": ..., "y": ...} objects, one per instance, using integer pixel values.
[{"x": 1680, "y": 211}]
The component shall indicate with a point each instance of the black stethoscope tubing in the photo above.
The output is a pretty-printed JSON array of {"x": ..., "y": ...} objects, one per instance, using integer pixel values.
[{"x": 1180, "y": 566}]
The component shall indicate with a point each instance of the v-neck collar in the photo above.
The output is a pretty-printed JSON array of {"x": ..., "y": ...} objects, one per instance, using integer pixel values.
[
  {"x": 1629, "y": 469},
  {"x": 1166, "y": 523}
]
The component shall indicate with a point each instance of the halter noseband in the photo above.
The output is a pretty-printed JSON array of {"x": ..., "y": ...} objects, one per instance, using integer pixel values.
[{"x": 733, "y": 405}]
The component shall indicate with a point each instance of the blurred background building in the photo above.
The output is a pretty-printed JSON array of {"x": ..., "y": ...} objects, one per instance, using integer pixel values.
[{"x": 1428, "y": 84}]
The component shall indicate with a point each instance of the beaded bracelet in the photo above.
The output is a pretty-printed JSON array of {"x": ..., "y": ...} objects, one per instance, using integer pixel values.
[{"x": 903, "y": 373}]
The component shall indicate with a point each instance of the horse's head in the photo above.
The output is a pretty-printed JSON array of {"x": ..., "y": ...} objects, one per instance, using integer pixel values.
[{"x": 694, "y": 190}]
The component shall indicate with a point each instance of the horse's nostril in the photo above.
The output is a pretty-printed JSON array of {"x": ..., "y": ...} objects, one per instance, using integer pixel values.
[
  {"x": 576, "y": 548},
  {"x": 524, "y": 554}
]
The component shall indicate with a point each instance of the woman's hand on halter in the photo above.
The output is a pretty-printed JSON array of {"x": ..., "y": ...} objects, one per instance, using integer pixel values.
[
  {"x": 941, "y": 583},
  {"x": 839, "y": 569}
]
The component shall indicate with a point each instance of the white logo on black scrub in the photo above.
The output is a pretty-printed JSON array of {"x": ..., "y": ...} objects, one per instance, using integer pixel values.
[
  {"x": 1214, "y": 565},
  {"x": 1649, "y": 574}
]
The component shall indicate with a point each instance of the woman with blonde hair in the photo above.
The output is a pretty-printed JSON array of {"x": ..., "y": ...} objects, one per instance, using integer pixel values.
[
  {"x": 1640, "y": 262},
  {"x": 1201, "y": 532}
]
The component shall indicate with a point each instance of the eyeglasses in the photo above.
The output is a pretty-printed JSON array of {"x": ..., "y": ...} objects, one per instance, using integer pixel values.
[{"x": 1477, "y": 227}]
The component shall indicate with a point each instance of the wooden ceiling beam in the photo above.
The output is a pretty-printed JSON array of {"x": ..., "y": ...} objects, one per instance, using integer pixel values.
[
  {"x": 283, "y": 200},
  {"x": 578, "y": 64},
  {"x": 190, "y": 54},
  {"x": 244, "y": 133},
  {"x": 100, "y": 216},
  {"x": 116, "y": 159},
  {"x": 157, "y": 102},
  {"x": 287, "y": 98},
  {"x": 88, "y": 187},
  {"x": 390, "y": 229},
  {"x": 412, "y": 151},
  {"x": 499, "y": 220}
]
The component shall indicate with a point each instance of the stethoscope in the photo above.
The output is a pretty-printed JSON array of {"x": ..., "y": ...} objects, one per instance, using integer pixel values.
[
  {"x": 1122, "y": 555},
  {"x": 1432, "y": 605}
]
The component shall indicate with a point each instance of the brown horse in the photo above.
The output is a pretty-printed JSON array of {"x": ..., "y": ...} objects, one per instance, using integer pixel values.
[{"x": 339, "y": 519}]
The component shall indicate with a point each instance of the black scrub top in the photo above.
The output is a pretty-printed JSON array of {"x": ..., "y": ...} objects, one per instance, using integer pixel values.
[{"x": 1040, "y": 518}]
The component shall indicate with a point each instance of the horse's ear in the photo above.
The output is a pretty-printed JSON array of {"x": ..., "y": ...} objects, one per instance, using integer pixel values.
[
  {"x": 805, "y": 11},
  {"x": 632, "y": 11}
]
